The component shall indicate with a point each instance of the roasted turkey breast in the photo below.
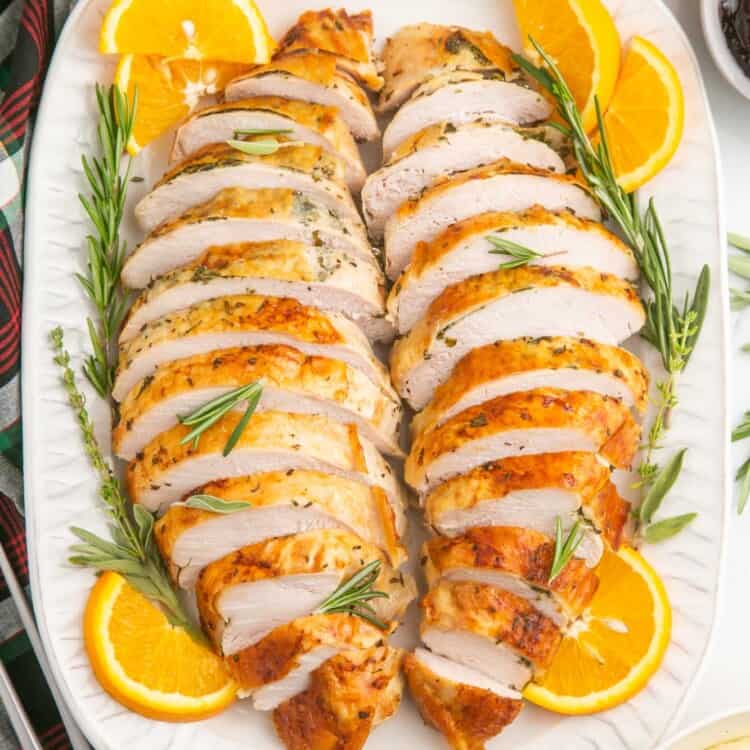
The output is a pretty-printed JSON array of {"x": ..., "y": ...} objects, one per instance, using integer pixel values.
[
  {"x": 501, "y": 186},
  {"x": 525, "y": 302},
  {"x": 169, "y": 467},
  {"x": 531, "y": 422},
  {"x": 310, "y": 123},
  {"x": 466, "y": 706},
  {"x": 237, "y": 215},
  {"x": 245, "y": 595},
  {"x": 278, "y": 503},
  {"x": 464, "y": 96},
  {"x": 310, "y": 77},
  {"x": 240, "y": 321},
  {"x": 464, "y": 249},
  {"x": 443, "y": 149},
  {"x": 292, "y": 382},
  {"x": 298, "y": 166}
]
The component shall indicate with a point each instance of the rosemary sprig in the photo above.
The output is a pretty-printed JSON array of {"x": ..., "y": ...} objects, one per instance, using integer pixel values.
[
  {"x": 211, "y": 412},
  {"x": 353, "y": 596},
  {"x": 132, "y": 551},
  {"x": 671, "y": 327},
  {"x": 564, "y": 548},
  {"x": 742, "y": 430},
  {"x": 520, "y": 254},
  {"x": 108, "y": 184}
]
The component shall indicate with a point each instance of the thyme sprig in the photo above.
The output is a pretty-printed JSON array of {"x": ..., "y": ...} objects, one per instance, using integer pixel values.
[
  {"x": 520, "y": 254},
  {"x": 132, "y": 551},
  {"x": 354, "y": 595},
  {"x": 672, "y": 326},
  {"x": 104, "y": 205},
  {"x": 565, "y": 547}
]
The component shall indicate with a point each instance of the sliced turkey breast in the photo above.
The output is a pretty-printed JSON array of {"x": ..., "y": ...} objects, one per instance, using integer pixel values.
[
  {"x": 501, "y": 186},
  {"x": 309, "y": 77},
  {"x": 532, "y": 491},
  {"x": 464, "y": 249},
  {"x": 168, "y": 468},
  {"x": 418, "y": 52},
  {"x": 278, "y": 503},
  {"x": 466, "y": 706},
  {"x": 245, "y": 320},
  {"x": 310, "y": 123},
  {"x": 237, "y": 215},
  {"x": 514, "y": 365},
  {"x": 292, "y": 382},
  {"x": 298, "y": 166},
  {"x": 245, "y": 595},
  {"x": 319, "y": 276},
  {"x": 350, "y": 695},
  {"x": 525, "y": 302},
  {"x": 444, "y": 149},
  {"x": 347, "y": 38},
  {"x": 464, "y": 96},
  {"x": 488, "y": 629},
  {"x": 514, "y": 559},
  {"x": 278, "y": 666},
  {"x": 530, "y": 422}
]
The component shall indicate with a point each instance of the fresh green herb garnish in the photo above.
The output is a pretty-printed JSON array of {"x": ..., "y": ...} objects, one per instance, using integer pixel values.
[
  {"x": 210, "y": 413},
  {"x": 564, "y": 548},
  {"x": 256, "y": 148},
  {"x": 739, "y": 299},
  {"x": 521, "y": 255},
  {"x": 742, "y": 430},
  {"x": 261, "y": 131},
  {"x": 215, "y": 504},
  {"x": 353, "y": 596},
  {"x": 132, "y": 551},
  {"x": 740, "y": 242},
  {"x": 669, "y": 527},
  {"x": 743, "y": 477}
]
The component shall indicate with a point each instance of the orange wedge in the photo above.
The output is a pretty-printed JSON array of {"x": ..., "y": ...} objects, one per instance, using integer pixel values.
[
  {"x": 580, "y": 36},
  {"x": 614, "y": 650},
  {"x": 148, "y": 665},
  {"x": 645, "y": 119},
  {"x": 232, "y": 30},
  {"x": 168, "y": 91}
]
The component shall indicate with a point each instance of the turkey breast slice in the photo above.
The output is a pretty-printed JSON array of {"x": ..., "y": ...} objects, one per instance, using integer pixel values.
[
  {"x": 169, "y": 467},
  {"x": 443, "y": 149},
  {"x": 464, "y": 96},
  {"x": 245, "y": 595},
  {"x": 532, "y": 491},
  {"x": 346, "y": 38},
  {"x": 349, "y": 695},
  {"x": 237, "y": 215},
  {"x": 246, "y": 320},
  {"x": 514, "y": 559},
  {"x": 420, "y": 51},
  {"x": 278, "y": 666},
  {"x": 525, "y": 302},
  {"x": 292, "y": 382},
  {"x": 309, "y": 77},
  {"x": 466, "y": 706},
  {"x": 478, "y": 626},
  {"x": 529, "y": 422},
  {"x": 464, "y": 249},
  {"x": 501, "y": 186},
  {"x": 297, "y": 166},
  {"x": 278, "y": 503},
  {"x": 310, "y": 123},
  {"x": 319, "y": 276},
  {"x": 512, "y": 365}
]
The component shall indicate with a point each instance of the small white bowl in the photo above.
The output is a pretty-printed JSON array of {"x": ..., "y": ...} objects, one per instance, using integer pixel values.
[
  {"x": 721, "y": 728},
  {"x": 717, "y": 44}
]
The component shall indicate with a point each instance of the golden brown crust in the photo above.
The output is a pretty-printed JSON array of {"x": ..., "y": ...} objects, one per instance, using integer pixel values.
[
  {"x": 350, "y": 694},
  {"x": 494, "y": 614},
  {"x": 610, "y": 514},
  {"x": 600, "y": 417},
  {"x": 523, "y": 553},
  {"x": 467, "y": 716}
]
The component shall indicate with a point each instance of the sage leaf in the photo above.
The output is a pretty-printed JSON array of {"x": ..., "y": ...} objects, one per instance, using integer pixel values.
[
  {"x": 144, "y": 522},
  {"x": 669, "y": 527},
  {"x": 661, "y": 485},
  {"x": 740, "y": 265},
  {"x": 96, "y": 542},
  {"x": 739, "y": 299},
  {"x": 255, "y": 148},
  {"x": 740, "y": 242},
  {"x": 743, "y": 477},
  {"x": 261, "y": 131},
  {"x": 742, "y": 430},
  {"x": 215, "y": 504}
]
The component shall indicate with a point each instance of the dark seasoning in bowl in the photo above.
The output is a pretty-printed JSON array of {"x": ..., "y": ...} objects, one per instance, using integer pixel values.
[{"x": 735, "y": 22}]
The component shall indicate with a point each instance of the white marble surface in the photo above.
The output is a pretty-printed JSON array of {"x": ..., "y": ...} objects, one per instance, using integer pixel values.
[{"x": 725, "y": 682}]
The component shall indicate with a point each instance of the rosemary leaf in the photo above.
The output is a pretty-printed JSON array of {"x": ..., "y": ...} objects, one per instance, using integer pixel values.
[
  {"x": 740, "y": 242},
  {"x": 215, "y": 504},
  {"x": 521, "y": 255},
  {"x": 660, "y": 486},
  {"x": 243, "y": 132},
  {"x": 739, "y": 299},
  {"x": 252, "y": 403},
  {"x": 740, "y": 265},
  {"x": 564, "y": 548},
  {"x": 742, "y": 430},
  {"x": 743, "y": 477},
  {"x": 669, "y": 527},
  {"x": 353, "y": 596}
]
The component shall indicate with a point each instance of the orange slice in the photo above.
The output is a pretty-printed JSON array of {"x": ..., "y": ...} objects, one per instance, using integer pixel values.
[
  {"x": 645, "y": 119},
  {"x": 580, "y": 36},
  {"x": 148, "y": 665},
  {"x": 168, "y": 91},
  {"x": 232, "y": 30},
  {"x": 610, "y": 655}
]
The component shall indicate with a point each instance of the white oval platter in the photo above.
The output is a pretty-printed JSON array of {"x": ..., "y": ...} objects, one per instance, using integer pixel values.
[{"x": 60, "y": 486}]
